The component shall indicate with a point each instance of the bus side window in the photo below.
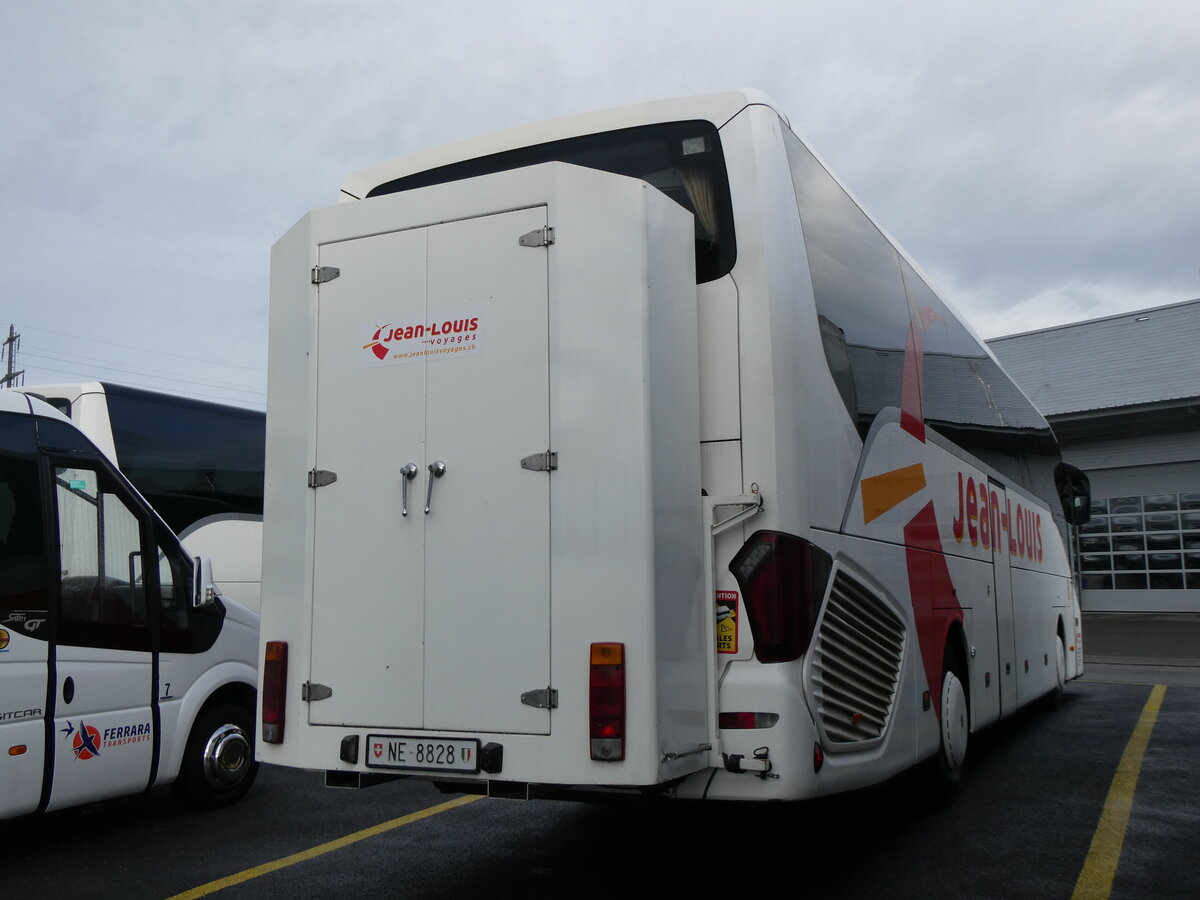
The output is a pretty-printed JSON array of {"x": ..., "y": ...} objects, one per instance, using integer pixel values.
[
  {"x": 102, "y": 599},
  {"x": 190, "y": 459},
  {"x": 22, "y": 538},
  {"x": 862, "y": 307}
]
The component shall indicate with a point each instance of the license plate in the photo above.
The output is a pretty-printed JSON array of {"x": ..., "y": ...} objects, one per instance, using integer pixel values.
[{"x": 430, "y": 754}]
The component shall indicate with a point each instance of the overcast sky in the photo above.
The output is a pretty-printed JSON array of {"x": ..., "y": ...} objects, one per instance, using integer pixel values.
[{"x": 1041, "y": 161}]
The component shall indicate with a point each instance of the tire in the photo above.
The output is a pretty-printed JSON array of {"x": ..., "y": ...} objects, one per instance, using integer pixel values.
[
  {"x": 1054, "y": 699},
  {"x": 218, "y": 763},
  {"x": 954, "y": 728}
]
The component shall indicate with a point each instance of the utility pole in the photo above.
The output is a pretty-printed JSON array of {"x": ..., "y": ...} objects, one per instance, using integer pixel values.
[{"x": 10, "y": 350}]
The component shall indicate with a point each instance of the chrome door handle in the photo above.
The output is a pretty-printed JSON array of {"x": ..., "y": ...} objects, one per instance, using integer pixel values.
[
  {"x": 437, "y": 469},
  {"x": 409, "y": 472}
]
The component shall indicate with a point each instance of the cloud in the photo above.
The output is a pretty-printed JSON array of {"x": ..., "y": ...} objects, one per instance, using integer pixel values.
[
  {"x": 1031, "y": 157},
  {"x": 995, "y": 314}
]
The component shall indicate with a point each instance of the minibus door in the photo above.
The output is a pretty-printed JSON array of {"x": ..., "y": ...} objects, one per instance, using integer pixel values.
[
  {"x": 103, "y": 727},
  {"x": 24, "y": 632}
]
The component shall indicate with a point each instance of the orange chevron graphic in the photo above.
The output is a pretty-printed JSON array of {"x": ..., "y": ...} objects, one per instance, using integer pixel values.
[{"x": 881, "y": 492}]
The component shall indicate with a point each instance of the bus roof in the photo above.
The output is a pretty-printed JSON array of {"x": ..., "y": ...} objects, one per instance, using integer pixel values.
[{"x": 717, "y": 108}]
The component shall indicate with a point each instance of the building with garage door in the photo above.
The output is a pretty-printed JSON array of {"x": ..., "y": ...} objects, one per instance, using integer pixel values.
[{"x": 1123, "y": 396}]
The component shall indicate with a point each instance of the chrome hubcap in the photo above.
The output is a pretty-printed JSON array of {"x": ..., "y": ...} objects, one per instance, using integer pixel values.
[{"x": 227, "y": 755}]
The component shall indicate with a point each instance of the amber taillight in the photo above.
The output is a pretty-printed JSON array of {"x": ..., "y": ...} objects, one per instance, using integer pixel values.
[
  {"x": 606, "y": 702},
  {"x": 274, "y": 691}
]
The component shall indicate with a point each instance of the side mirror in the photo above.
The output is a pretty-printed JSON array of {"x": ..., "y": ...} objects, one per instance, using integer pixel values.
[
  {"x": 1075, "y": 492},
  {"x": 205, "y": 592}
]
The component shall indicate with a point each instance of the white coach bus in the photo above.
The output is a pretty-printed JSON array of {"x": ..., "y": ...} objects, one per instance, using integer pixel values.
[
  {"x": 640, "y": 459},
  {"x": 121, "y": 667},
  {"x": 199, "y": 464}
]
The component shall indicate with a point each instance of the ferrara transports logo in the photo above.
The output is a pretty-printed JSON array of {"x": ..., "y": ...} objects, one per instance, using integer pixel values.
[{"x": 87, "y": 741}]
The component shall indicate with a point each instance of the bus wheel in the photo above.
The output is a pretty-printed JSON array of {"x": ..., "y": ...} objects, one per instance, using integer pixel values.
[
  {"x": 955, "y": 728},
  {"x": 218, "y": 764},
  {"x": 1055, "y": 697}
]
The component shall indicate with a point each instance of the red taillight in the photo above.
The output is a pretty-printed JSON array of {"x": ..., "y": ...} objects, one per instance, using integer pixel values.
[
  {"x": 783, "y": 580},
  {"x": 736, "y": 720},
  {"x": 274, "y": 691},
  {"x": 606, "y": 702}
]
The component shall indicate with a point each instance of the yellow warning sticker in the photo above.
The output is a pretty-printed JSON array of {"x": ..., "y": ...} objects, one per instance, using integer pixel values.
[{"x": 727, "y": 621}]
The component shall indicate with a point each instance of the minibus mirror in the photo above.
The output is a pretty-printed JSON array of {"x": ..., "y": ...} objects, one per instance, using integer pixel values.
[
  {"x": 205, "y": 591},
  {"x": 1075, "y": 492}
]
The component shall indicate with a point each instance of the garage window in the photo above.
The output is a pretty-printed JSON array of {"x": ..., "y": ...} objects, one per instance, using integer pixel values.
[{"x": 1146, "y": 542}]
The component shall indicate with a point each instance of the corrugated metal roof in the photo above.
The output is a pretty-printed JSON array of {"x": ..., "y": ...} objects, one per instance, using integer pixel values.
[{"x": 1149, "y": 356}]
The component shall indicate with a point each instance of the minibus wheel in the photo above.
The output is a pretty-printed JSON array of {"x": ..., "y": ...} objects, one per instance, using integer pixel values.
[{"x": 218, "y": 764}]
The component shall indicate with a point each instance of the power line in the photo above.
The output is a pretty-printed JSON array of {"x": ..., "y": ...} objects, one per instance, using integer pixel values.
[
  {"x": 217, "y": 385},
  {"x": 143, "y": 382},
  {"x": 157, "y": 374},
  {"x": 141, "y": 349}
]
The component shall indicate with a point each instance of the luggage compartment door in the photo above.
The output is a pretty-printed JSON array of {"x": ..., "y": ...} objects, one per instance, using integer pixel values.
[
  {"x": 432, "y": 349},
  {"x": 487, "y": 535}
]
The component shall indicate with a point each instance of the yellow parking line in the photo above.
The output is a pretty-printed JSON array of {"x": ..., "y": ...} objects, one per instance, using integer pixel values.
[
  {"x": 221, "y": 883},
  {"x": 1096, "y": 880}
]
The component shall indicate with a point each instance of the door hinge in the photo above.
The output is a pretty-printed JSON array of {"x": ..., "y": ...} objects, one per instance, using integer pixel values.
[
  {"x": 539, "y": 237},
  {"x": 322, "y": 274},
  {"x": 546, "y": 461},
  {"x": 310, "y": 691},
  {"x": 321, "y": 477},
  {"x": 546, "y": 698}
]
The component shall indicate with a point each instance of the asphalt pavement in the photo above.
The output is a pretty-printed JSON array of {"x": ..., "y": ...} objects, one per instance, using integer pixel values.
[{"x": 1022, "y": 826}]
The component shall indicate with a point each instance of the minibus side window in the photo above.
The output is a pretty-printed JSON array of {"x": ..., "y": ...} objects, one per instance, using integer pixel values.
[
  {"x": 182, "y": 627},
  {"x": 102, "y": 567}
]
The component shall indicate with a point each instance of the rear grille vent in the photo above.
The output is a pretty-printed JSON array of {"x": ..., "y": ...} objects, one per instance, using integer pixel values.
[{"x": 856, "y": 664}]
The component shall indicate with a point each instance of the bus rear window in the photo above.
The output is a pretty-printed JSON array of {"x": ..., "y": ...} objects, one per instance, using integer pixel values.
[{"x": 681, "y": 159}]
